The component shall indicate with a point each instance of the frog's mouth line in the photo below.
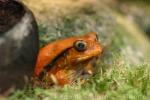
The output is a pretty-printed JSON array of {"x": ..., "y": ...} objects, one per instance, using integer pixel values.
[
  {"x": 85, "y": 58},
  {"x": 80, "y": 59}
]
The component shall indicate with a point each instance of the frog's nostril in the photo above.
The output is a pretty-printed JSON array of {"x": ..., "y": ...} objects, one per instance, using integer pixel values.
[{"x": 97, "y": 38}]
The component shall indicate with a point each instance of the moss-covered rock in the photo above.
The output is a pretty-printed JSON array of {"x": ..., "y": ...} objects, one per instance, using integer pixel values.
[{"x": 138, "y": 11}]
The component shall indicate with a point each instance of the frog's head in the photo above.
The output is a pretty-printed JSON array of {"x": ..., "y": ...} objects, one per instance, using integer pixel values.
[
  {"x": 84, "y": 48},
  {"x": 77, "y": 60}
]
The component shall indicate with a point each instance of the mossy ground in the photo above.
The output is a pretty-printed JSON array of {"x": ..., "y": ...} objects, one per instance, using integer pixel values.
[
  {"x": 123, "y": 71},
  {"x": 125, "y": 82}
]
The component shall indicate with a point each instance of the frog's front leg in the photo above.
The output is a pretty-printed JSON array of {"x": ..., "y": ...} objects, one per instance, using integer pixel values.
[
  {"x": 57, "y": 77},
  {"x": 88, "y": 69}
]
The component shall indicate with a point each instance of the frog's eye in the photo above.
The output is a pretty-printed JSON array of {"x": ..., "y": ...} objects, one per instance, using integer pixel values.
[{"x": 80, "y": 45}]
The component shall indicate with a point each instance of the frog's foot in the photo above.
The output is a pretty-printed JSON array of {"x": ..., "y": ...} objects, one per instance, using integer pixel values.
[{"x": 60, "y": 78}]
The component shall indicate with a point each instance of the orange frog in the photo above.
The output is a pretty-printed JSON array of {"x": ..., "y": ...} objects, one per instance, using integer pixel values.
[{"x": 64, "y": 61}]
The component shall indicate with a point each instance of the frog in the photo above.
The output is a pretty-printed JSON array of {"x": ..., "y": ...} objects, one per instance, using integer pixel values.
[{"x": 64, "y": 61}]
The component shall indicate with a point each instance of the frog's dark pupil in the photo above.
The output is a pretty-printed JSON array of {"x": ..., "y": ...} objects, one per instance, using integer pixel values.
[{"x": 80, "y": 45}]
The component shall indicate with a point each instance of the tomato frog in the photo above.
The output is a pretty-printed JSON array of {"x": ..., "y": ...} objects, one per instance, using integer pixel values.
[{"x": 64, "y": 61}]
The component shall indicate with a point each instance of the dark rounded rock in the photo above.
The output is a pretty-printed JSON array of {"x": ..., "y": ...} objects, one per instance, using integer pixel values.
[{"x": 19, "y": 44}]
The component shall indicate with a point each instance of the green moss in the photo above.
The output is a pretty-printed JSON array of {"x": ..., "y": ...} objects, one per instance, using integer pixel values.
[{"x": 126, "y": 82}]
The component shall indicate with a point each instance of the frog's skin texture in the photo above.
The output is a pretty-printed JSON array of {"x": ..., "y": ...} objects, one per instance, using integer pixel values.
[{"x": 62, "y": 62}]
